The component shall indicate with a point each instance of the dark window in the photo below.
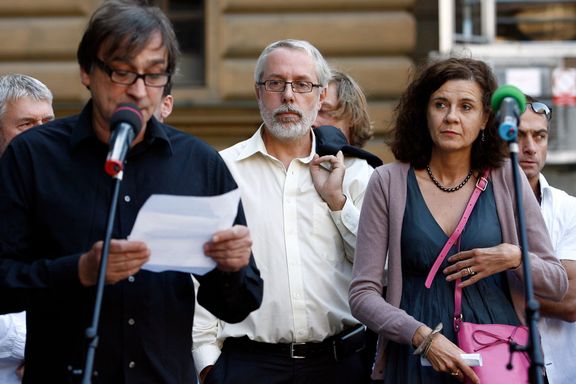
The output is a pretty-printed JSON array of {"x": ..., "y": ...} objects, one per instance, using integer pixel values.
[
  {"x": 536, "y": 20},
  {"x": 518, "y": 20},
  {"x": 188, "y": 19}
]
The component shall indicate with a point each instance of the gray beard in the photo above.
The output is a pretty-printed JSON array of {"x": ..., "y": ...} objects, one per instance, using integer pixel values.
[{"x": 286, "y": 131}]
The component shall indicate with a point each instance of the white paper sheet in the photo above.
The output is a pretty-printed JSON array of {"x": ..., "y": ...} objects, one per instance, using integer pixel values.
[{"x": 175, "y": 229}]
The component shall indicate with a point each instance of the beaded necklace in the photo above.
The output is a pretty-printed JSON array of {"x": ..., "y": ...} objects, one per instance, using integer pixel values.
[{"x": 443, "y": 188}]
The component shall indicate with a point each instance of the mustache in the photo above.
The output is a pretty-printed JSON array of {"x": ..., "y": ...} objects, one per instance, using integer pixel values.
[{"x": 287, "y": 108}]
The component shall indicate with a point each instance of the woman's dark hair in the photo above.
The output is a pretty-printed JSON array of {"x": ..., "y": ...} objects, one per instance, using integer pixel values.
[
  {"x": 124, "y": 28},
  {"x": 412, "y": 142}
]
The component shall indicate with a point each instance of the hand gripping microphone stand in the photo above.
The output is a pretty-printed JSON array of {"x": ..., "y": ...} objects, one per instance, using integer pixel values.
[
  {"x": 126, "y": 123},
  {"x": 510, "y": 103}
]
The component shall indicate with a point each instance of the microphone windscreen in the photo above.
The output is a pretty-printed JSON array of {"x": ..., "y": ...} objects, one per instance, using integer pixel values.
[
  {"x": 127, "y": 113},
  {"x": 508, "y": 91}
]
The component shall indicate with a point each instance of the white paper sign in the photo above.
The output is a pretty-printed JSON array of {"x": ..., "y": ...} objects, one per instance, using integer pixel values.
[
  {"x": 528, "y": 80},
  {"x": 564, "y": 82}
]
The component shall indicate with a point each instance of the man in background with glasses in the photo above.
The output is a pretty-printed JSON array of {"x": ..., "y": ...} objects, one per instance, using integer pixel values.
[
  {"x": 303, "y": 212},
  {"x": 54, "y": 202},
  {"x": 557, "y": 327}
]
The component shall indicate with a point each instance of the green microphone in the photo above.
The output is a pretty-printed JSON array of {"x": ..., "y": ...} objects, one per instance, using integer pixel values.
[{"x": 510, "y": 103}]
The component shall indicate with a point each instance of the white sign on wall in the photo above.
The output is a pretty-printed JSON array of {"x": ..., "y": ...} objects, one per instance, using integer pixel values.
[
  {"x": 564, "y": 86},
  {"x": 528, "y": 80}
]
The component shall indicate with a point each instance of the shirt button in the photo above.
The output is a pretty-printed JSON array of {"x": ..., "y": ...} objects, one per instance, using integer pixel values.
[
  {"x": 131, "y": 322},
  {"x": 131, "y": 279},
  {"x": 127, "y": 198},
  {"x": 131, "y": 364}
]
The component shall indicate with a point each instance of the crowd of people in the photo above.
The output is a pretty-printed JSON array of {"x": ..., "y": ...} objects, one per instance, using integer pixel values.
[{"x": 324, "y": 275}]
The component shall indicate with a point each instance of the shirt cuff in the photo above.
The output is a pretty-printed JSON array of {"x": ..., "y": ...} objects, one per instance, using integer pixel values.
[
  {"x": 204, "y": 356},
  {"x": 347, "y": 217},
  {"x": 566, "y": 254},
  {"x": 63, "y": 272},
  {"x": 12, "y": 337},
  {"x": 19, "y": 344},
  {"x": 233, "y": 280}
]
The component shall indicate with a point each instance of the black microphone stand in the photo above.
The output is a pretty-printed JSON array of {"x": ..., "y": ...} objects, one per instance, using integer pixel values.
[
  {"x": 92, "y": 331},
  {"x": 536, "y": 372}
]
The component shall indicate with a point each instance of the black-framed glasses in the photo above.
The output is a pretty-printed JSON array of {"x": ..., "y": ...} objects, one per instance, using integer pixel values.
[
  {"x": 128, "y": 78},
  {"x": 541, "y": 109},
  {"x": 299, "y": 86}
]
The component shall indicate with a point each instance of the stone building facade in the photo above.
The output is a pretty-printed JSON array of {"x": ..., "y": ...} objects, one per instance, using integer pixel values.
[{"x": 373, "y": 40}]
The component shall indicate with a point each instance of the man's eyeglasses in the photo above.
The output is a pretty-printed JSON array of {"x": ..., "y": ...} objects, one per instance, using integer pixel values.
[
  {"x": 128, "y": 78},
  {"x": 297, "y": 86},
  {"x": 541, "y": 109}
]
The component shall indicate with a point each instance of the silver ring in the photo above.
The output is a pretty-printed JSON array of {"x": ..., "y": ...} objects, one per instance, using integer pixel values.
[
  {"x": 455, "y": 373},
  {"x": 470, "y": 271}
]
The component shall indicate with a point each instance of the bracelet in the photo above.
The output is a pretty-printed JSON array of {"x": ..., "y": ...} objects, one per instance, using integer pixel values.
[
  {"x": 425, "y": 353},
  {"x": 425, "y": 345}
]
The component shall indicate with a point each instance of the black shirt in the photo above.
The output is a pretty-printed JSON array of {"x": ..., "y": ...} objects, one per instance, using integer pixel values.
[{"x": 54, "y": 199}]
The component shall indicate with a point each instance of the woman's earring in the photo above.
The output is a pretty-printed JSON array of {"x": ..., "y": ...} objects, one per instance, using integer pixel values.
[{"x": 482, "y": 138}]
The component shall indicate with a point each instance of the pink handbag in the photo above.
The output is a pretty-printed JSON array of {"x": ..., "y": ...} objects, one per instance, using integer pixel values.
[{"x": 492, "y": 341}]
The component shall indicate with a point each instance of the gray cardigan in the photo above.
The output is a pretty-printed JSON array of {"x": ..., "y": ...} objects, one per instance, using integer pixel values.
[{"x": 379, "y": 234}]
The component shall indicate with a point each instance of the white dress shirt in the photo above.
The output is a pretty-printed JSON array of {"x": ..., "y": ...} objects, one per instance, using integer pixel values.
[
  {"x": 304, "y": 251},
  {"x": 558, "y": 336},
  {"x": 12, "y": 341}
]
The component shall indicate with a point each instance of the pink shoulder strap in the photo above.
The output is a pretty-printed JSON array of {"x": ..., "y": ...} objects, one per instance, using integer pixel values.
[
  {"x": 481, "y": 185},
  {"x": 457, "y": 305}
]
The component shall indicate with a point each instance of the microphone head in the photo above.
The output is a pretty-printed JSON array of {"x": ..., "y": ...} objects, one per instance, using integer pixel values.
[
  {"x": 508, "y": 91},
  {"x": 127, "y": 113},
  {"x": 126, "y": 122}
]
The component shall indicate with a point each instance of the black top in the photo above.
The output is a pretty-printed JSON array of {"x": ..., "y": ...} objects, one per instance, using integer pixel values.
[
  {"x": 487, "y": 301},
  {"x": 54, "y": 199},
  {"x": 330, "y": 140}
]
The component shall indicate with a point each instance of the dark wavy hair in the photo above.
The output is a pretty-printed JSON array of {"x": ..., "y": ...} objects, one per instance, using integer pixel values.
[
  {"x": 123, "y": 28},
  {"x": 412, "y": 142}
]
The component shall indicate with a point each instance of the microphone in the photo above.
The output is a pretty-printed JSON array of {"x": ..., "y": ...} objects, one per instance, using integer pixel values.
[
  {"x": 510, "y": 103},
  {"x": 125, "y": 123}
]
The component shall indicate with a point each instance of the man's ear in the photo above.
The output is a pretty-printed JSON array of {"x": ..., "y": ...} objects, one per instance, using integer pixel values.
[
  {"x": 257, "y": 91},
  {"x": 322, "y": 97},
  {"x": 85, "y": 78},
  {"x": 167, "y": 106}
]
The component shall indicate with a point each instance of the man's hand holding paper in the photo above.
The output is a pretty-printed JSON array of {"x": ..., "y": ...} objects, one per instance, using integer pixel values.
[{"x": 230, "y": 248}]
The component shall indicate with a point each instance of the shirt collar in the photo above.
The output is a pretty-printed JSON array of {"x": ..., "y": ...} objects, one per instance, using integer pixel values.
[
  {"x": 545, "y": 188},
  {"x": 255, "y": 145},
  {"x": 84, "y": 131},
  {"x": 543, "y": 184},
  {"x": 156, "y": 132}
]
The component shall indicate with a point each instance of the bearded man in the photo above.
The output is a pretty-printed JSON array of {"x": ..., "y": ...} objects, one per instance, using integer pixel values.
[{"x": 302, "y": 210}]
